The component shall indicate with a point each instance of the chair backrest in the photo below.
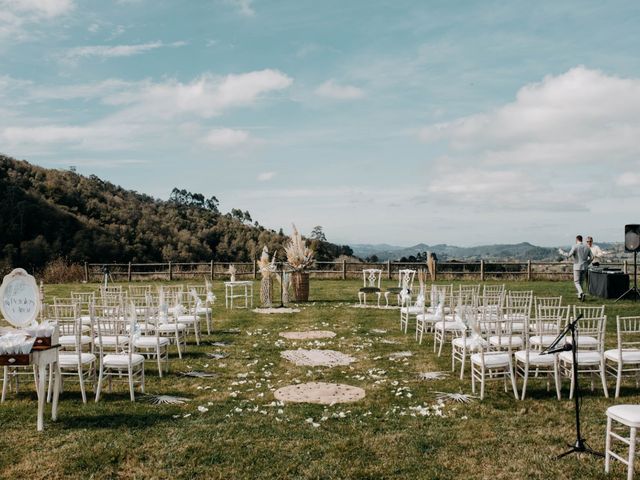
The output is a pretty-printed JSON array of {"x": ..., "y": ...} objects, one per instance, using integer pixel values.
[
  {"x": 593, "y": 323},
  {"x": 83, "y": 300},
  {"x": 67, "y": 317},
  {"x": 469, "y": 289},
  {"x": 628, "y": 332},
  {"x": 139, "y": 290},
  {"x": 110, "y": 290},
  {"x": 406, "y": 276},
  {"x": 371, "y": 277},
  {"x": 550, "y": 319},
  {"x": 520, "y": 299},
  {"x": 493, "y": 289},
  {"x": 110, "y": 321},
  {"x": 547, "y": 302}
]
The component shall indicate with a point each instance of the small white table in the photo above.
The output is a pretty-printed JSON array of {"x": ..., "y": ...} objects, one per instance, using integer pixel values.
[
  {"x": 246, "y": 292},
  {"x": 42, "y": 360}
]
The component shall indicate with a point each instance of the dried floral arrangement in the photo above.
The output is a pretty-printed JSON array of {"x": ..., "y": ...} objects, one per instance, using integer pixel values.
[
  {"x": 266, "y": 266},
  {"x": 299, "y": 256}
]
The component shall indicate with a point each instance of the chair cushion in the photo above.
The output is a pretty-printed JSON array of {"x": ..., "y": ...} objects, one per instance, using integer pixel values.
[
  {"x": 186, "y": 318},
  {"x": 151, "y": 341},
  {"x": 450, "y": 326},
  {"x": 68, "y": 360},
  {"x": 369, "y": 290},
  {"x": 588, "y": 358},
  {"x": 628, "y": 356},
  {"x": 113, "y": 340},
  {"x": 503, "y": 341},
  {"x": 626, "y": 414},
  {"x": 491, "y": 359},
  {"x": 66, "y": 340},
  {"x": 394, "y": 290},
  {"x": 85, "y": 319},
  {"x": 585, "y": 341},
  {"x": 171, "y": 327},
  {"x": 412, "y": 310},
  {"x": 542, "y": 340},
  {"x": 121, "y": 360},
  {"x": 460, "y": 342},
  {"x": 429, "y": 317},
  {"x": 535, "y": 358},
  {"x": 203, "y": 310}
]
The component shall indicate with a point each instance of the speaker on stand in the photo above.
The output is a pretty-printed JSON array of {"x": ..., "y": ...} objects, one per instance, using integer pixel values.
[{"x": 632, "y": 244}]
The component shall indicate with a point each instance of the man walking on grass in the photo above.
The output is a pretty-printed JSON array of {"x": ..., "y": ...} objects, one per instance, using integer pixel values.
[{"x": 582, "y": 257}]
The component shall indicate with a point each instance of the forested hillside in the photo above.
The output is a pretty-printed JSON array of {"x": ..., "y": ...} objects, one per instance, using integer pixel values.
[{"x": 47, "y": 214}]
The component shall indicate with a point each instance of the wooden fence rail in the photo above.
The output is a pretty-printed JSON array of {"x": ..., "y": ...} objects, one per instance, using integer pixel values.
[{"x": 450, "y": 270}]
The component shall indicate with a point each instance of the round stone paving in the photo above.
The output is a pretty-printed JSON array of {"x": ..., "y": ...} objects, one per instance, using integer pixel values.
[
  {"x": 308, "y": 335},
  {"x": 317, "y": 358},
  {"x": 319, "y": 392}
]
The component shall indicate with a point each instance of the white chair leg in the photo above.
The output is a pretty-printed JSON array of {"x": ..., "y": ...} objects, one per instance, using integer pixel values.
[
  {"x": 131, "y": 392},
  {"x": 572, "y": 383},
  {"x": 618, "y": 380},
  {"x": 513, "y": 383},
  {"x": 632, "y": 453},
  {"x": 556, "y": 375},
  {"x": 5, "y": 383},
  {"x": 607, "y": 447},
  {"x": 99, "y": 387},
  {"x": 604, "y": 379},
  {"x": 81, "y": 378},
  {"x": 524, "y": 382},
  {"x": 159, "y": 360}
]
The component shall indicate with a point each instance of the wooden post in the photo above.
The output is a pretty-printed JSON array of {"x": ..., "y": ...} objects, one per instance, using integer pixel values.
[
  {"x": 482, "y": 270},
  {"x": 625, "y": 267},
  {"x": 344, "y": 269},
  {"x": 86, "y": 273},
  {"x": 528, "y": 270},
  {"x": 388, "y": 269},
  {"x": 212, "y": 270},
  {"x": 255, "y": 269},
  {"x": 129, "y": 272},
  {"x": 170, "y": 271}
]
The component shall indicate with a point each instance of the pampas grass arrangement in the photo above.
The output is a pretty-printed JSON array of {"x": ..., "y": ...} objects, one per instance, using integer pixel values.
[{"x": 299, "y": 256}]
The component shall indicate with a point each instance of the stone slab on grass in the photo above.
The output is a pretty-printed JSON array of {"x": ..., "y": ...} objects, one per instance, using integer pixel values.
[
  {"x": 317, "y": 358},
  {"x": 308, "y": 335},
  {"x": 319, "y": 392}
]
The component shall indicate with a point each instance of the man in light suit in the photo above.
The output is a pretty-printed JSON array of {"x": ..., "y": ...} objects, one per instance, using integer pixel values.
[{"x": 582, "y": 257}]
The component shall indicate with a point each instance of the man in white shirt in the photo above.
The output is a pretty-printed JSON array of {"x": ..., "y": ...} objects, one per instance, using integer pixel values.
[
  {"x": 582, "y": 257},
  {"x": 596, "y": 251}
]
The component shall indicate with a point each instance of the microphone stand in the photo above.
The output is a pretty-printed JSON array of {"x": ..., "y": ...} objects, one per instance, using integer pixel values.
[{"x": 580, "y": 445}]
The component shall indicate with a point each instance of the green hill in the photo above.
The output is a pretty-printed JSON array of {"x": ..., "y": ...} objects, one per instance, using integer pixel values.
[{"x": 47, "y": 214}]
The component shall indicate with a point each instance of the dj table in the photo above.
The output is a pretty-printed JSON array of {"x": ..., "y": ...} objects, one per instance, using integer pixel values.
[{"x": 607, "y": 283}]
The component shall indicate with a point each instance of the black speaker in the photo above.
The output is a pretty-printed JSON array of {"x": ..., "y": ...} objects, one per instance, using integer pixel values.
[{"x": 632, "y": 238}]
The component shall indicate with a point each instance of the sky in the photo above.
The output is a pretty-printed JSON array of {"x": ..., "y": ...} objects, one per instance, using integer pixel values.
[{"x": 467, "y": 122}]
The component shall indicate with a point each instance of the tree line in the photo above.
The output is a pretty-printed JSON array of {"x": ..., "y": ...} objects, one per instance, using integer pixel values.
[{"x": 48, "y": 214}]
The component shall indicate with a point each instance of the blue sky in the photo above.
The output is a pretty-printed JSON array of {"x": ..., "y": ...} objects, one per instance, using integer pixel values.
[{"x": 383, "y": 121}]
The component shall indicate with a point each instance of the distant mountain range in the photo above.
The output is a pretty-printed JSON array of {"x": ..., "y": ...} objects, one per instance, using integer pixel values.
[{"x": 518, "y": 251}]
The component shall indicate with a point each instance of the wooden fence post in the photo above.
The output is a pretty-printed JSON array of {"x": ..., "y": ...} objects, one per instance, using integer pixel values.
[
  {"x": 86, "y": 272},
  {"x": 170, "y": 271},
  {"x": 344, "y": 269},
  {"x": 255, "y": 269},
  {"x": 481, "y": 270},
  {"x": 528, "y": 270},
  {"x": 212, "y": 270},
  {"x": 625, "y": 267},
  {"x": 389, "y": 269},
  {"x": 129, "y": 272}
]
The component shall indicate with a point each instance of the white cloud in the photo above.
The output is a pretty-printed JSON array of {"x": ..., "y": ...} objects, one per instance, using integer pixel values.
[
  {"x": 582, "y": 116},
  {"x": 628, "y": 179},
  {"x": 111, "y": 51},
  {"x": 40, "y": 8},
  {"x": 244, "y": 7},
  {"x": 266, "y": 176},
  {"x": 330, "y": 89},
  {"x": 206, "y": 96},
  {"x": 18, "y": 17},
  {"x": 225, "y": 138}
]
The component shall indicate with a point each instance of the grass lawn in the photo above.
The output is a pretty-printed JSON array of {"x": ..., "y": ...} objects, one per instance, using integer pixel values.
[{"x": 246, "y": 434}]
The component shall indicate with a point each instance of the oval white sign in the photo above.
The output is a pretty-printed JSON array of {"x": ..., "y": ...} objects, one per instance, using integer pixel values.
[{"x": 19, "y": 298}]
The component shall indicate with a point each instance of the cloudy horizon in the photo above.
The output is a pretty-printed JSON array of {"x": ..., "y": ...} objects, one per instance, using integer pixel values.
[{"x": 385, "y": 122}]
